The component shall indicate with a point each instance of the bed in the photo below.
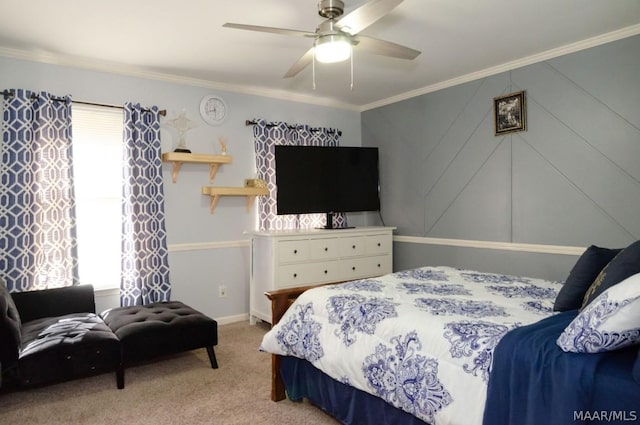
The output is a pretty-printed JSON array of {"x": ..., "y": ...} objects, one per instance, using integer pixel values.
[{"x": 418, "y": 346}]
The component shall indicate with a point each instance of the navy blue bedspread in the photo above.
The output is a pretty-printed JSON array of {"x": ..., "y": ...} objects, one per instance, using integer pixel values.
[{"x": 534, "y": 382}]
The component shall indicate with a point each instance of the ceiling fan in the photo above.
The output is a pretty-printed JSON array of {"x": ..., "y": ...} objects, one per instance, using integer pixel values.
[{"x": 337, "y": 35}]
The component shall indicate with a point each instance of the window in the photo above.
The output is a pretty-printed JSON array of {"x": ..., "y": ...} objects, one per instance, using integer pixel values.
[{"x": 97, "y": 168}]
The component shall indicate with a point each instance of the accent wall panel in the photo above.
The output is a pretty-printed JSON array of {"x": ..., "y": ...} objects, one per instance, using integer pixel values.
[
  {"x": 573, "y": 178},
  {"x": 491, "y": 208},
  {"x": 548, "y": 208}
]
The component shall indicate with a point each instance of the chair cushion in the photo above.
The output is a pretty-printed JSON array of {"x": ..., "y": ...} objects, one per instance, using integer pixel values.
[
  {"x": 59, "y": 348},
  {"x": 159, "y": 329},
  {"x": 54, "y": 302}
]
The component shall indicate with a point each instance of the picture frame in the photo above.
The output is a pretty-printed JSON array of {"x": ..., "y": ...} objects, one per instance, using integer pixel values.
[{"x": 510, "y": 113}]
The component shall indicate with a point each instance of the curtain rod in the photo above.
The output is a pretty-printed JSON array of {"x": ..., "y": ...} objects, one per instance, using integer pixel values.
[
  {"x": 8, "y": 93},
  {"x": 162, "y": 112},
  {"x": 253, "y": 122}
]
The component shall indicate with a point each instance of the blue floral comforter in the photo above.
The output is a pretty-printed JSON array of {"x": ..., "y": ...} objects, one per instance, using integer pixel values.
[{"x": 421, "y": 339}]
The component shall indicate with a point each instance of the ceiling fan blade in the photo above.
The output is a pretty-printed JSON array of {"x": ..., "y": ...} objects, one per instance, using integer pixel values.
[
  {"x": 385, "y": 48},
  {"x": 272, "y": 30},
  {"x": 366, "y": 15},
  {"x": 302, "y": 63}
]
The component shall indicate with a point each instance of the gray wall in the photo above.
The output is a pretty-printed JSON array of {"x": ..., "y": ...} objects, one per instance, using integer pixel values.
[
  {"x": 572, "y": 179},
  {"x": 206, "y": 250},
  {"x": 532, "y": 264}
]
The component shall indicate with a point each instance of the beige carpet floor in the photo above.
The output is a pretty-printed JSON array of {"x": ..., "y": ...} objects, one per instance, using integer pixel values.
[{"x": 181, "y": 389}]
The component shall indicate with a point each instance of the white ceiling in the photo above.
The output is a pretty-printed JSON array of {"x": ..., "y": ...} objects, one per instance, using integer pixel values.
[{"x": 184, "y": 40}]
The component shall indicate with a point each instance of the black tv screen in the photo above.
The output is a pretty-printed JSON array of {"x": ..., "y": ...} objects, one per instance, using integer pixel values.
[{"x": 316, "y": 179}]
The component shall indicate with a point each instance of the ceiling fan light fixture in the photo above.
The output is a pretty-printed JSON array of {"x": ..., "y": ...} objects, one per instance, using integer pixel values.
[{"x": 332, "y": 48}]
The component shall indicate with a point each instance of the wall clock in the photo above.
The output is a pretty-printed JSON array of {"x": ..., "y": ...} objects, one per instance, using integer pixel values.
[{"x": 213, "y": 109}]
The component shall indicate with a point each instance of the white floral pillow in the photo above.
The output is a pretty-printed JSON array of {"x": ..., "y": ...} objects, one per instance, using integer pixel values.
[{"x": 609, "y": 322}]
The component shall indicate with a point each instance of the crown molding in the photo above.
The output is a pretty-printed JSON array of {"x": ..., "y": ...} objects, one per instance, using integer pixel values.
[
  {"x": 138, "y": 72},
  {"x": 508, "y": 66},
  {"x": 114, "y": 68}
]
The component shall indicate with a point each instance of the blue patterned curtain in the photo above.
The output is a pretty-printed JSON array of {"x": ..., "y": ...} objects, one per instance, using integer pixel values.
[
  {"x": 266, "y": 136},
  {"x": 145, "y": 263},
  {"x": 38, "y": 245}
]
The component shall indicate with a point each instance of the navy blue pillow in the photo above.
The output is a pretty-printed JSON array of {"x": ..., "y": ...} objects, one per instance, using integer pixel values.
[
  {"x": 582, "y": 275},
  {"x": 623, "y": 265}
]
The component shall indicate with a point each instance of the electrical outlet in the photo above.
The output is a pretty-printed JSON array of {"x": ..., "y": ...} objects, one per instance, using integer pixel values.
[{"x": 222, "y": 291}]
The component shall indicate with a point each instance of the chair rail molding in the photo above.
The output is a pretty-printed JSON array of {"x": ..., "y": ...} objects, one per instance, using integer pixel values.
[
  {"x": 199, "y": 246},
  {"x": 503, "y": 246}
]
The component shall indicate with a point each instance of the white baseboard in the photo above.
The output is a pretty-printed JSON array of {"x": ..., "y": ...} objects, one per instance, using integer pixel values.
[{"x": 232, "y": 319}]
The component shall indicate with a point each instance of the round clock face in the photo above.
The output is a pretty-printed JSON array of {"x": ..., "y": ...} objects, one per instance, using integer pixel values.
[{"x": 213, "y": 109}]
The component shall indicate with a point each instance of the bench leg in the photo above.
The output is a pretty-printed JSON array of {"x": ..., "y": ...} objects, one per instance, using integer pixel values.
[
  {"x": 212, "y": 358},
  {"x": 120, "y": 377}
]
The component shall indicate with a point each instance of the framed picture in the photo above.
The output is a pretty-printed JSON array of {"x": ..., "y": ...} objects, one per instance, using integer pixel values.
[{"x": 510, "y": 113}]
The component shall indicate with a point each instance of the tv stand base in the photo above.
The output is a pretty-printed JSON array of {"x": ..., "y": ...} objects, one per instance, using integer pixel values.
[{"x": 336, "y": 228}]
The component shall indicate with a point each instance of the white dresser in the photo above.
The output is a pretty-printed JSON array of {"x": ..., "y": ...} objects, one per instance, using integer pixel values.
[{"x": 288, "y": 259}]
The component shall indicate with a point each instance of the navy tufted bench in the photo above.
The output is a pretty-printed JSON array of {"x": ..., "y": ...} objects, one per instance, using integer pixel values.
[{"x": 159, "y": 329}]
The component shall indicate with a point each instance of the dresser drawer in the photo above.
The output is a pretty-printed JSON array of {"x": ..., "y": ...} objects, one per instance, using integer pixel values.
[
  {"x": 293, "y": 251},
  {"x": 377, "y": 244},
  {"x": 366, "y": 266},
  {"x": 303, "y": 258},
  {"x": 291, "y": 275},
  {"x": 323, "y": 249},
  {"x": 352, "y": 247}
]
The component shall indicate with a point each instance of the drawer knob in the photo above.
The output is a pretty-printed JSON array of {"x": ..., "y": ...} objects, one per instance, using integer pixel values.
[
  {"x": 325, "y": 272},
  {"x": 295, "y": 251},
  {"x": 326, "y": 249},
  {"x": 379, "y": 244},
  {"x": 378, "y": 265},
  {"x": 353, "y": 268},
  {"x": 295, "y": 275},
  {"x": 353, "y": 246}
]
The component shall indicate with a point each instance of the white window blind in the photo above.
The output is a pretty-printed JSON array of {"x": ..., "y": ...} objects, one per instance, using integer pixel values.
[{"x": 97, "y": 167}]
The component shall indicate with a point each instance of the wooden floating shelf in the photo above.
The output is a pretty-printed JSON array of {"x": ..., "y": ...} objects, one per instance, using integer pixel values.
[
  {"x": 216, "y": 192},
  {"x": 179, "y": 158}
]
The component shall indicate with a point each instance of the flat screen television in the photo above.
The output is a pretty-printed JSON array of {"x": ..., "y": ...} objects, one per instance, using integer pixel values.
[{"x": 317, "y": 179}]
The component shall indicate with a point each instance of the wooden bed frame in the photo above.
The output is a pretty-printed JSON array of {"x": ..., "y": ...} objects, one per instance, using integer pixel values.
[{"x": 281, "y": 300}]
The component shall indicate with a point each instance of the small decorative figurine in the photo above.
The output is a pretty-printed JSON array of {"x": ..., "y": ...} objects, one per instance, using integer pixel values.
[
  {"x": 182, "y": 124},
  {"x": 223, "y": 145}
]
